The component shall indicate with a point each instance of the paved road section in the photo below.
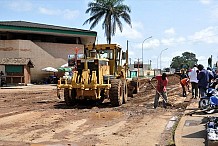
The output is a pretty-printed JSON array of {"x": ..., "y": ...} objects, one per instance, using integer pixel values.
[{"x": 191, "y": 130}]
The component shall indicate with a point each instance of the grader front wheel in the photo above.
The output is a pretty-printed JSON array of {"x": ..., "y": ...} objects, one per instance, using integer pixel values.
[
  {"x": 67, "y": 98},
  {"x": 70, "y": 100},
  {"x": 116, "y": 92}
]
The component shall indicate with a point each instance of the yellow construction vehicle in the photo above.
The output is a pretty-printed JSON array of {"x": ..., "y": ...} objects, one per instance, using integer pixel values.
[{"x": 100, "y": 74}]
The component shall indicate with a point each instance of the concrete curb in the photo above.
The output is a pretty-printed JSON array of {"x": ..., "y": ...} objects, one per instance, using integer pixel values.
[{"x": 190, "y": 129}]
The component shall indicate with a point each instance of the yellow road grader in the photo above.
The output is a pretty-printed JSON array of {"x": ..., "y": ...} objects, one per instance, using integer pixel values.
[{"x": 100, "y": 74}]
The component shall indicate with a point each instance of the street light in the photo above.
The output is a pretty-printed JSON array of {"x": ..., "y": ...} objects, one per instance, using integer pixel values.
[
  {"x": 142, "y": 50},
  {"x": 160, "y": 56}
]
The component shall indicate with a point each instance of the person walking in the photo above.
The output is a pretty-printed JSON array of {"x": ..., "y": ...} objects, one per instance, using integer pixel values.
[
  {"x": 185, "y": 83},
  {"x": 161, "y": 89},
  {"x": 203, "y": 80},
  {"x": 194, "y": 81}
]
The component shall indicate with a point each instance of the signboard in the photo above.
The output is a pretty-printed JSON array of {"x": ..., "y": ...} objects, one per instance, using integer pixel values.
[
  {"x": 138, "y": 64},
  {"x": 72, "y": 60}
]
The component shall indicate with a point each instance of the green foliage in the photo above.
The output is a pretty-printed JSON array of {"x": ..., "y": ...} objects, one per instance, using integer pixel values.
[
  {"x": 186, "y": 61},
  {"x": 111, "y": 11}
]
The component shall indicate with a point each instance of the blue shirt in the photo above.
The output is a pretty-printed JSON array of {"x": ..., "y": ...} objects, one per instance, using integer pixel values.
[{"x": 203, "y": 78}]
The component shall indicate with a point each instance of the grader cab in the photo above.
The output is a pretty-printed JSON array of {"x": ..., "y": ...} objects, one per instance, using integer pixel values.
[{"x": 100, "y": 74}]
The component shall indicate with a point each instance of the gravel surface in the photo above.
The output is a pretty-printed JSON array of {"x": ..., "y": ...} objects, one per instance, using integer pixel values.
[{"x": 33, "y": 115}]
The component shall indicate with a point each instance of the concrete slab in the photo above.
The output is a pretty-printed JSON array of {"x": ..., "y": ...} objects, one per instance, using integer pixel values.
[{"x": 191, "y": 129}]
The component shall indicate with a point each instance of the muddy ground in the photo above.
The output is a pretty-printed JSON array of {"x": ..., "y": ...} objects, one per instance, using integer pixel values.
[{"x": 33, "y": 115}]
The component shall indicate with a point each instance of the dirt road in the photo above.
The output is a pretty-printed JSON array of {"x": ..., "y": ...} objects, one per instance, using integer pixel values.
[{"x": 34, "y": 116}]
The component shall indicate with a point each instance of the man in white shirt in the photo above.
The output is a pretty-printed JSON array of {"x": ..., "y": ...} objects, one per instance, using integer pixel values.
[{"x": 194, "y": 81}]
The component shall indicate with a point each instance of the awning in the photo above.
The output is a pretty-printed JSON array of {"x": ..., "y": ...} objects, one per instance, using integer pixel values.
[
  {"x": 17, "y": 61},
  {"x": 64, "y": 69},
  {"x": 50, "y": 69}
]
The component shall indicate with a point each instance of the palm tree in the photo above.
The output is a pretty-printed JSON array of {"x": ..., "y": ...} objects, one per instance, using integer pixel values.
[{"x": 111, "y": 11}]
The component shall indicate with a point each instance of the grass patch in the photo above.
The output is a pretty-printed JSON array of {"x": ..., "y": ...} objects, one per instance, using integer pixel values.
[{"x": 171, "y": 141}]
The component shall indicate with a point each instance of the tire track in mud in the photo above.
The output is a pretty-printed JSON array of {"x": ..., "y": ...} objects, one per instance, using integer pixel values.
[{"x": 50, "y": 122}]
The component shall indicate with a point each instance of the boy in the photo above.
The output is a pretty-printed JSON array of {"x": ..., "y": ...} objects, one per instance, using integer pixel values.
[{"x": 184, "y": 82}]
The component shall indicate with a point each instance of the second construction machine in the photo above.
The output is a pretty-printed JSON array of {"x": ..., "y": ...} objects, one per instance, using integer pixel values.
[{"x": 100, "y": 74}]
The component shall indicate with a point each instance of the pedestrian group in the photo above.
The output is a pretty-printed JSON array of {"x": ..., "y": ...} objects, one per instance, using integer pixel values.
[
  {"x": 200, "y": 79},
  {"x": 198, "y": 76}
]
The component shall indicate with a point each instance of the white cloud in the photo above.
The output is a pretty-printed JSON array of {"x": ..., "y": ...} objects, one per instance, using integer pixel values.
[
  {"x": 205, "y": 2},
  {"x": 214, "y": 13},
  {"x": 154, "y": 43},
  {"x": 67, "y": 14},
  {"x": 70, "y": 14},
  {"x": 180, "y": 40},
  {"x": 48, "y": 11},
  {"x": 21, "y": 5},
  {"x": 170, "y": 31},
  {"x": 208, "y": 35},
  {"x": 177, "y": 52},
  {"x": 202, "y": 60},
  {"x": 133, "y": 33},
  {"x": 168, "y": 41}
]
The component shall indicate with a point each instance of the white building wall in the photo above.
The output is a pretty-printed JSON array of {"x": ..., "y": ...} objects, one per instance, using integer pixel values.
[{"x": 41, "y": 54}]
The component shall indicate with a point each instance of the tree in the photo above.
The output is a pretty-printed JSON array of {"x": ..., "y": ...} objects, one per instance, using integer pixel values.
[
  {"x": 111, "y": 11},
  {"x": 186, "y": 61}
]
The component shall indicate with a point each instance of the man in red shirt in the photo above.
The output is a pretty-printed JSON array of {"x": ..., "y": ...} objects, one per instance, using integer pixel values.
[{"x": 161, "y": 89}]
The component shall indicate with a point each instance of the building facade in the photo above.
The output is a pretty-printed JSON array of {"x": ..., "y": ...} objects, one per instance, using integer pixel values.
[{"x": 43, "y": 45}]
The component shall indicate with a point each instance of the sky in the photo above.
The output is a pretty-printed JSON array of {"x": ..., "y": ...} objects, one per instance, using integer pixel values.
[{"x": 161, "y": 29}]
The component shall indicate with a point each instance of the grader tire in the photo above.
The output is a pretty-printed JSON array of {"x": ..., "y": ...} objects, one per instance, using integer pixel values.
[
  {"x": 125, "y": 91},
  {"x": 67, "y": 98},
  {"x": 70, "y": 100},
  {"x": 73, "y": 97},
  {"x": 116, "y": 92}
]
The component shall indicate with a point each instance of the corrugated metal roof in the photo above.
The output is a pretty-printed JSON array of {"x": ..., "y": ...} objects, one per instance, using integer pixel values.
[
  {"x": 16, "y": 61},
  {"x": 38, "y": 25}
]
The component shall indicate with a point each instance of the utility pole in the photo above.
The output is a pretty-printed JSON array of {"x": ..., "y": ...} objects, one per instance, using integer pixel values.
[
  {"x": 127, "y": 58},
  {"x": 127, "y": 52},
  {"x": 150, "y": 64},
  {"x": 138, "y": 67}
]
